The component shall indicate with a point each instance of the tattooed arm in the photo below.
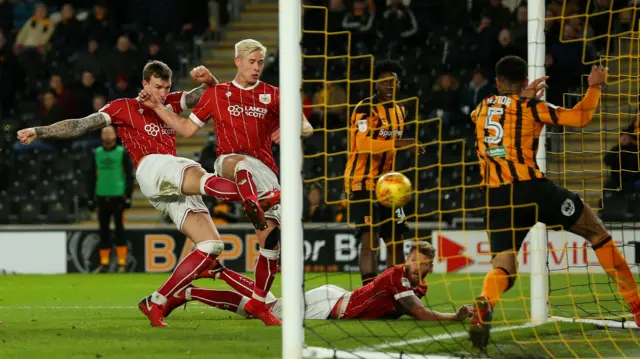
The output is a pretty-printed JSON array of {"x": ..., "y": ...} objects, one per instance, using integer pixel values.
[
  {"x": 416, "y": 309},
  {"x": 64, "y": 129}
]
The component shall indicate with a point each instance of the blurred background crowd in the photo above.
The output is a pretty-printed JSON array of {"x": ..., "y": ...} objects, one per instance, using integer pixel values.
[{"x": 64, "y": 59}]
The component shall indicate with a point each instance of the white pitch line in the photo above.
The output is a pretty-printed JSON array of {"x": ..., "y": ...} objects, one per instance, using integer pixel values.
[{"x": 444, "y": 336}]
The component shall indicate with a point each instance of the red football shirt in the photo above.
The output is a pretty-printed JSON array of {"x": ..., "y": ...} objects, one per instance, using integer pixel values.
[
  {"x": 141, "y": 130},
  {"x": 379, "y": 298},
  {"x": 244, "y": 118}
]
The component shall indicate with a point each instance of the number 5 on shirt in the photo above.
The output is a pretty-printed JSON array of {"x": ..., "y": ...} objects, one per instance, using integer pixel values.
[{"x": 489, "y": 124}]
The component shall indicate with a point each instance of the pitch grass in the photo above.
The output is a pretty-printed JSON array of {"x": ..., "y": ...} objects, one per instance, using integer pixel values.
[{"x": 95, "y": 316}]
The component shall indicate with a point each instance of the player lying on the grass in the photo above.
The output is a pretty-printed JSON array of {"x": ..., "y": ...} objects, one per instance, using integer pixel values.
[
  {"x": 396, "y": 292},
  {"x": 245, "y": 113},
  {"x": 508, "y": 127},
  {"x": 172, "y": 184}
]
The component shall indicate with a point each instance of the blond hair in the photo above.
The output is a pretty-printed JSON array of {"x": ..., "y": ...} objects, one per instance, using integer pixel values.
[
  {"x": 247, "y": 46},
  {"x": 425, "y": 248}
]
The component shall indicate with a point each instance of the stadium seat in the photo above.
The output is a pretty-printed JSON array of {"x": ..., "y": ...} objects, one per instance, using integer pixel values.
[
  {"x": 5, "y": 207},
  {"x": 30, "y": 209},
  {"x": 616, "y": 207},
  {"x": 58, "y": 212}
]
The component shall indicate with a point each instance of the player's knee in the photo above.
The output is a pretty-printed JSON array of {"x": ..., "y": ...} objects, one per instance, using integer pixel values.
[
  {"x": 212, "y": 247},
  {"x": 241, "y": 165},
  {"x": 273, "y": 239},
  {"x": 505, "y": 260}
]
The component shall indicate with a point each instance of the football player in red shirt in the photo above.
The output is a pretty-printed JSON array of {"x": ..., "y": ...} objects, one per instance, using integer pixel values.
[
  {"x": 396, "y": 292},
  {"x": 172, "y": 184},
  {"x": 245, "y": 113}
]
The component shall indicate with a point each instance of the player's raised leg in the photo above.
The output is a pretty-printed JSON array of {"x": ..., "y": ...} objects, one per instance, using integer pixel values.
[
  {"x": 197, "y": 181},
  {"x": 238, "y": 169},
  {"x": 612, "y": 261}
]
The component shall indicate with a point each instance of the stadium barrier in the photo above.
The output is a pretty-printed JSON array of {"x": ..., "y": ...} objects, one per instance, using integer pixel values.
[{"x": 75, "y": 250}]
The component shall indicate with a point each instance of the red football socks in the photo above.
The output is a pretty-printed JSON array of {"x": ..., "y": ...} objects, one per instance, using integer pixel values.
[
  {"x": 222, "y": 189},
  {"x": 194, "y": 263},
  {"x": 222, "y": 299},
  {"x": 241, "y": 284},
  {"x": 266, "y": 269},
  {"x": 246, "y": 186}
]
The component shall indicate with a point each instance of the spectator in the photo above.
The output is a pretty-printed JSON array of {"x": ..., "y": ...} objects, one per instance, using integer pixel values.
[
  {"x": 91, "y": 61},
  {"x": 444, "y": 99},
  {"x": 397, "y": 26},
  {"x": 66, "y": 99},
  {"x": 100, "y": 25},
  {"x": 519, "y": 30},
  {"x": 316, "y": 211},
  {"x": 92, "y": 139},
  {"x": 85, "y": 94},
  {"x": 122, "y": 88},
  {"x": 6, "y": 18},
  {"x": 10, "y": 75},
  {"x": 477, "y": 89},
  {"x": 499, "y": 14},
  {"x": 359, "y": 20},
  {"x": 123, "y": 60},
  {"x": 565, "y": 64},
  {"x": 330, "y": 98},
  {"x": 156, "y": 50},
  {"x": 66, "y": 36},
  {"x": 501, "y": 49},
  {"x": 36, "y": 32},
  {"x": 481, "y": 42},
  {"x": 22, "y": 11},
  {"x": 623, "y": 163},
  {"x": 49, "y": 114}
]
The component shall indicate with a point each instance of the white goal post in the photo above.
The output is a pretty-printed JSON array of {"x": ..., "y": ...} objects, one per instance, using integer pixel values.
[
  {"x": 292, "y": 274},
  {"x": 539, "y": 271}
]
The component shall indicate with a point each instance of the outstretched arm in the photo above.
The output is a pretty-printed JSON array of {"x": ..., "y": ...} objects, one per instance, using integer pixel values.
[
  {"x": 416, "y": 309},
  {"x": 64, "y": 129}
]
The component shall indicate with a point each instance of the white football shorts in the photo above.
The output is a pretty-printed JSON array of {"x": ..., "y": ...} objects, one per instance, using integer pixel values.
[
  {"x": 263, "y": 177},
  {"x": 160, "y": 180},
  {"x": 318, "y": 302}
]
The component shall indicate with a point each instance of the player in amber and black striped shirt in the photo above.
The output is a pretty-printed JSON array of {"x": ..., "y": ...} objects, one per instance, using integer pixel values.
[
  {"x": 377, "y": 126},
  {"x": 508, "y": 127}
]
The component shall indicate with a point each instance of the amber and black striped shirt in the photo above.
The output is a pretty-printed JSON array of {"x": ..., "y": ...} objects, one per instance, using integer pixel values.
[
  {"x": 372, "y": 134},
  {"x": 508, "y": 130}
]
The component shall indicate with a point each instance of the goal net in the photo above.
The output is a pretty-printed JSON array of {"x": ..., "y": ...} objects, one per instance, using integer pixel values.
[{"x": 584, "y": 317}]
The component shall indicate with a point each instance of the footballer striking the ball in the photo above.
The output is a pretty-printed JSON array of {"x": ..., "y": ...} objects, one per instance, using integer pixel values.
[{"x": 393, "y": 189}]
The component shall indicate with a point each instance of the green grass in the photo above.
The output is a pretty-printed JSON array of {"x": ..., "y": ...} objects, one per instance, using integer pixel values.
[{"x": 94, "y": 316}]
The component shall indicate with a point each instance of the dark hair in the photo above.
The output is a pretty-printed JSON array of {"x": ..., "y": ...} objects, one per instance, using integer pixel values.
[
  {"x": 511, "y": 69},
  {"x": 387, "y": 66},
  {"x": 157, "y": 69}
]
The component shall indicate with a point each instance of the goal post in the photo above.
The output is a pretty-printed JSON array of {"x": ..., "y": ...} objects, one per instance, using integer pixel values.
[
  {"x": 539, "y": 271},
  {"x": 289, "y": 34}
]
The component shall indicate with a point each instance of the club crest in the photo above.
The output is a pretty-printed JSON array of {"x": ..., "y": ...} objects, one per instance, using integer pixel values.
[{"x": 265, "y": 98}]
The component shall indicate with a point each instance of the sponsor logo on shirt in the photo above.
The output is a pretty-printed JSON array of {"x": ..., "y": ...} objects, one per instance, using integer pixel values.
[
  {"x": 389, "y": 133},
  {"x": 153, "y": 129},
  {"x": 249, "y": 111}
]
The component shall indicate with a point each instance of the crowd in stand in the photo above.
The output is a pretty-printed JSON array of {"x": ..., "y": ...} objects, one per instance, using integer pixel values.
[{"x": 67, "y": 58}]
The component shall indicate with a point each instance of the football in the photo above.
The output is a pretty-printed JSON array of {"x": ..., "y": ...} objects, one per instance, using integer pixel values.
[{"x": 393, "y": 190}]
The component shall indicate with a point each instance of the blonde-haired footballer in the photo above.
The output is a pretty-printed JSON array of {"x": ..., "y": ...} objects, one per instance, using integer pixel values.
[{"x": 245, "y": 113}]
